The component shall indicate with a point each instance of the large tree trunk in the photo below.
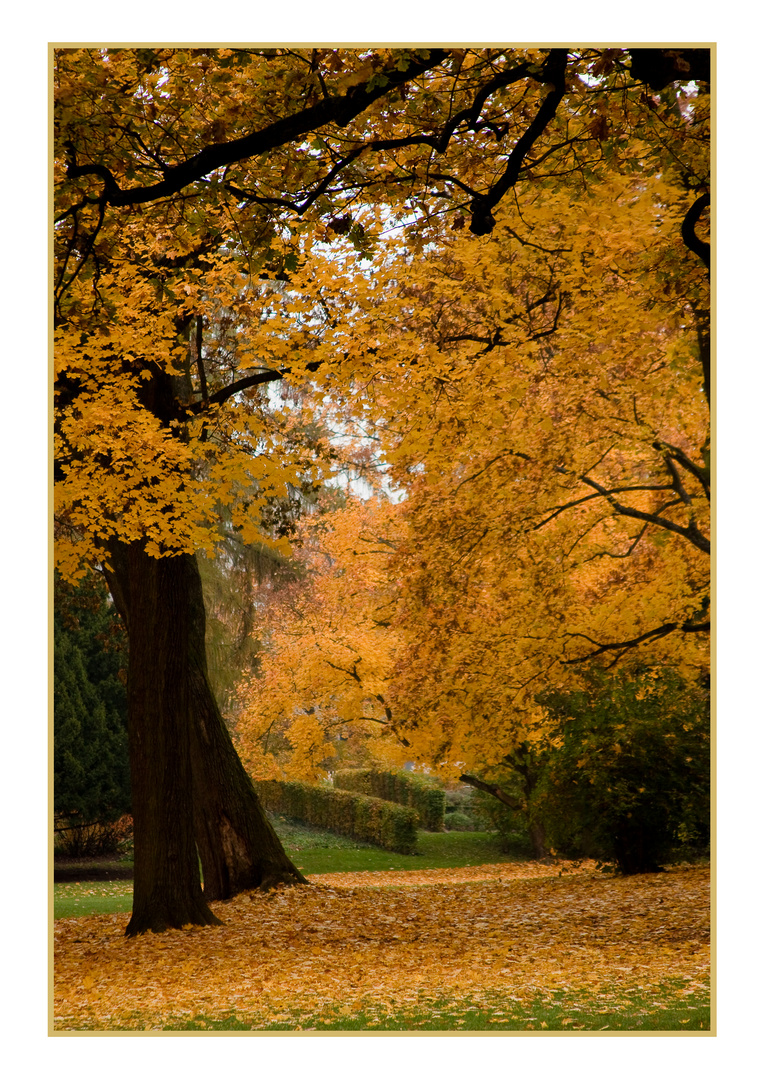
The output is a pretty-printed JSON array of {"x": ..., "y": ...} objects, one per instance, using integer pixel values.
[
  {"x": 238, "y": 846},
  {"x": 152, "y": 594},
  {"x": 216, "y": 805}
]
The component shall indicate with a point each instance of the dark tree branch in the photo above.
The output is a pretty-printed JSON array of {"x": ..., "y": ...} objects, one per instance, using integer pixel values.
[
  {"x": 676, "y": 454},
  {"x": 587, "y": 498},
  {"x": 700, "y": 247},
  {"x": 677, "y": 485},
  {"x": 687, "y": 627},
  {"x": 504, "y": 453},
  {"x": 491, "y": 789},
  {"x": 659, "y": 67},
  {"x": 346, "y": 671},
  {"x": 226, "y": 392},
  {"x": 200, "y": 361},
  {"x": 689, "y": 532},
  {"x": 340, "y": 110},
  {"x": 61, "y": 285},
  {"x": 483, "y": 221}
]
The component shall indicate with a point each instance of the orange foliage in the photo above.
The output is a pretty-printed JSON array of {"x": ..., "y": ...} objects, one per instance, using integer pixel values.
[{"x": 543, "y": 415}]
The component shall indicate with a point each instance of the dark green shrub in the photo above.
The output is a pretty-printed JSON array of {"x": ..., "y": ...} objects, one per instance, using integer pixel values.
[
  {"x": 630, "y": 771},
  {"x": 458, "y": 822},
  {"x": 90, "y": 757},
  {"x": 511, "y": 825},
  {"x": 405, "y": 788},
  {"x": 374, "y": 820}
]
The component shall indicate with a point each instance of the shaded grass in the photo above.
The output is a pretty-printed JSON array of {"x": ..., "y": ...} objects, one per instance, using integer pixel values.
[
  {"x": 314, "y": 852},
  {"x": 435, "y": 851}
]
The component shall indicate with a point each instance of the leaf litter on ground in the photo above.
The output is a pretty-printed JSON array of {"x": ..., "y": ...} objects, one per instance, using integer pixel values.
[{"x": 378, "y": 943}]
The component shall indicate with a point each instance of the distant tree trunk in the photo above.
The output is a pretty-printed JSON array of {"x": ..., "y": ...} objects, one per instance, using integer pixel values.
[
  {"x": 182, "y": 749},
  {"x": 152, "y": 595},
  {"x": 238, "y": 846},
  {"x": 538, "y": 839},
  {"x": 535, "y": 829}
]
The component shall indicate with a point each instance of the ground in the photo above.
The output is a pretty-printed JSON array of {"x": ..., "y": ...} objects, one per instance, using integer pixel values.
[{"x": 490, "y": 939}]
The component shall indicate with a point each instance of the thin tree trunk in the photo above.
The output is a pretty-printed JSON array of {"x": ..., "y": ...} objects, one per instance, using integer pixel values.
[
  {"x": 152, "y": 594},
  {"x": 535, "y": 829},
  {"x": 538, "y": 839}
]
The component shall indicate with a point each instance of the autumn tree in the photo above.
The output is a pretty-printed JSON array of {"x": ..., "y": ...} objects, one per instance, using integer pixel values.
[
  {"x": 555, "y": 473},
  {"x": 197, "y": 189},
  {"x": 329, "y": 652}
]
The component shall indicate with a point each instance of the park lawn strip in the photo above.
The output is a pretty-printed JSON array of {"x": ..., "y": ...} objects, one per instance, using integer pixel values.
[
  {"x": 666, "y": 1008},
  {"x": 433, "y": 851},
  {"x": 316, "y": 852},
  {"x": 636, "y": 948},
  {"x": 75, "y": 898}
]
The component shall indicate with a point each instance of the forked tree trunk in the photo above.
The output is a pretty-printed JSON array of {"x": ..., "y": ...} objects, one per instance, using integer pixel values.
[
  {"x": 189, "y": 788},
  {"x": 238, "y": 846},
  {"x": 167, "y": 886}
]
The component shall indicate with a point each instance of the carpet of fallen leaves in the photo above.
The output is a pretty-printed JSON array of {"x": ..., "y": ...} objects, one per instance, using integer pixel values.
[{"x": 344, "y": 942}]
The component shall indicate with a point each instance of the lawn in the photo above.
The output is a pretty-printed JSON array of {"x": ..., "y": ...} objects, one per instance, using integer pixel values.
[
  {"x": 314, "y": 852},
  {"x": 522, "y": 947}
]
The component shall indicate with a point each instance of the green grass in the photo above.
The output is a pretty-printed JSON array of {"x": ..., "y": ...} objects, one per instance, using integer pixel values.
[
  {"x": 314, "y": 852},
  {"x": 72, "y": 898},
  {"x": 664, "y": 1008},
  {"x": 434, "y": 851}
]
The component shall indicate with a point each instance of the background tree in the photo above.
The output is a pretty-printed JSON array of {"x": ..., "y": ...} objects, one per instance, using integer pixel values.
[
  {"x": 90, "y": 761},
  {"x": 627, "y": 773},
  {"x": 328, "y": 653}
]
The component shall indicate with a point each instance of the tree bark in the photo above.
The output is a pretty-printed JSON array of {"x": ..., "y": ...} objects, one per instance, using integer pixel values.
[
  {"x": 152, "y": 595},
  {"x": 212, "y": 805},
  {"x": 238, "y": 846}
]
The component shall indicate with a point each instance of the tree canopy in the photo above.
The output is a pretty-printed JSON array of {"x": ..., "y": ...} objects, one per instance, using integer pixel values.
[
  {"x": 544, "y": 410},
  {"x": 206, "y": 197}
]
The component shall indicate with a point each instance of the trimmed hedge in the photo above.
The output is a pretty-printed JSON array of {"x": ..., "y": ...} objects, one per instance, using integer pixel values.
[
  {"x": 404, "y": 788},
  {"x": 379, "y": 822}
]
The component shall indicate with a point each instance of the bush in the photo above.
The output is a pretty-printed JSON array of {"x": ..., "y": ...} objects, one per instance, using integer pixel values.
[
  {"x": 94, "y": 841},
  {"x": 630, "y": 773},
  {"x": 90, "y": 757},
  {"x": 384, "y": 823},
  {"x": 407, "y": 789},
  {"x": 458, "y": 822}
]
